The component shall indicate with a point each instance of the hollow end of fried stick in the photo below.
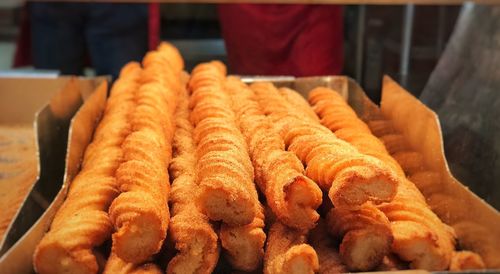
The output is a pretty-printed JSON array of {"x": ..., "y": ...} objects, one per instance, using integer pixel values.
[
  {"x": 198, "y": 251},
  {"x": 139, "y": 237},
  {"x": 359, "y": 184},
  {"x": 54, "y": 258},
  {"x": 364, "y": 249},
  {"x": 415, "y": 243},
  {"x": 303, "y": 197},
  {"x": 222, "y": 204},
  {"x": 466, "y": 260},
  {"x": 300, "y": 259}
]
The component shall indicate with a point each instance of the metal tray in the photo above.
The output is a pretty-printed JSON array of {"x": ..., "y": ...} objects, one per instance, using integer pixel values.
[
  {"x": 55, "y": 126},
  {"x": 19, "y": 258}
]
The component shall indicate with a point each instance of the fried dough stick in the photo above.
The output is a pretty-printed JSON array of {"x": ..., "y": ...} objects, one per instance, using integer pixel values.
[
  {"x": 244, "y": 245},
  {"x": 466, "y": 260},
  {"x": 140, "y": 213},
  {"x": 279, "y": 174},
  {"x": 288, "y": 252},
  {"x": 298, "y": 102},
  {"x": 82, "y": 222},
  {"x": 419, "y": 236},
  {"x": 224, "y": 170},
  {"x": 350, "y": 177},
  {"x": 366, "y": 236},
  {"x": 190, "y": 230},
  {"x": 328, "y": 255},
  {"x": 115, "y": 265}
]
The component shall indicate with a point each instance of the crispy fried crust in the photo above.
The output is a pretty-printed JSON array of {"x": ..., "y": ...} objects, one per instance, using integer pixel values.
[
  {"x": 279, "y": 174},
  {"x": 190, "y": 230},
  {"x": 466, "y": 260},
  {"x": 140, "y": 213},
  {"x": 288, "y": 252},
  {"x": 350, "y": 177},
  {"x": 115, "y": 265},
  {"x": 298, "y": 102},
  {"x": 325, "y": 247},
  {"x": 82, "y": 222},
  {"x": 419, "y": 236},
  {"x": 366, "y": 236},
  {"x": 244, "y": 245},
  {"x": 224, "y": 170}
]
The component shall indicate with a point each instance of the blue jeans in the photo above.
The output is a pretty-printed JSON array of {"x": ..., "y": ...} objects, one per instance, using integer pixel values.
[{"x": 111, "y": 34}]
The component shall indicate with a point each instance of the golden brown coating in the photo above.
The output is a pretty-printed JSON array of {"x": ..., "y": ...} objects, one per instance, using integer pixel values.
[
  {"x": 140, "y": 213},
  {"x": 350, "y": 177},
  {"x": 392, "y": 263},
  {"x": 288, "y": 252},
  {"x": 244, "y": 245},
  {"x": 466, "y": 260},
  {"x": 419, "y": 236},
  {"x": 190, "y": 230},
  {"x": 115, "y": 265},
  {"x": 298, "y": 102},
  {"x": 279, "y": 174},
  {"x": 82, "y": 222},
  {"x": 328, "y": 254},
  {"x": 366, "y": 236},
  {"x": 224, "y": 169}
]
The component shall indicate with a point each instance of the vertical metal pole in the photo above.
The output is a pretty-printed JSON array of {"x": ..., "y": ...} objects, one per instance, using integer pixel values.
[
  {"x": 360, "y": 41},
  {"x": 404, "y": 67}
]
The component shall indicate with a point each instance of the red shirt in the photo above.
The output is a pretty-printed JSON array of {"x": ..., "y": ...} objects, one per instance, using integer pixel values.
[{"x": 298, "y": 40}]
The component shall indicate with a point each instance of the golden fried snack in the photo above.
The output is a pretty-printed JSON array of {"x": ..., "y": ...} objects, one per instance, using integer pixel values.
[
  {"x": 350, "y": 177},
  {"x": 82, "y": 222},
  {"x": 224, "y": 169},
  {"x": 115, "y": 265},
  {"x": 366, "y": 236},
  {"x": 466, "y": 260},
  {"x": 190, "y": 230},
  {"x": 298, "y": 102},
  {"x": 140, "y": 213},
  {"x": 244, "y": 245},
  {"x": 279, "y": 174},
  {"x": 419, "y": 236},
  {"x": 288, "y": 252},
  {"x": 392, "y": 263},
  {"x": 328, "y": 254}
]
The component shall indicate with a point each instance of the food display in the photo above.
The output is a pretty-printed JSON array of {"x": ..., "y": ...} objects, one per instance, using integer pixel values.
[{"x": 203, "y": 173}]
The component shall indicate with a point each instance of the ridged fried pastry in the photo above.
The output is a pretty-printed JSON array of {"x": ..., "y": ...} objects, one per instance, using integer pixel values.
[
  {"x": 140, "y": 213},
  {"x": 244, "y": 245},
  {"x": 366, "y": 236},
  {"x": 115, "y": 265},
  {"x": 288, "y": 252},
  {"x": 328, "y": 254},
  {"x": 419, "y": 236},
  {"x": 466, "y": 260},
  {"x": 224, "y": 170},
  {"x": 279, "y": 174},
  {"x": 350, "y": 177},
  {"x": 298, "y": 102},
  {"x": 190, "y": 230},
  {"x": 82, "y": 222}
]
